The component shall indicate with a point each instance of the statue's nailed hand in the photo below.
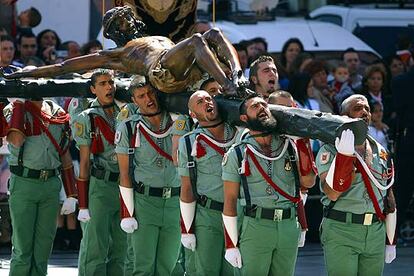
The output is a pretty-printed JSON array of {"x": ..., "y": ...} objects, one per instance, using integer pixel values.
[{"x": 239, "y": 80}]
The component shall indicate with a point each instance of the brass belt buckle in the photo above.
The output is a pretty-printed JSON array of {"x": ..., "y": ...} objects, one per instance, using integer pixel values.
[
  {"x": 166, "y": 192},
  {"x": 368, "y": 219},
  {"x": 277, "y": 215},
  {"x": 43, "y": 175}
]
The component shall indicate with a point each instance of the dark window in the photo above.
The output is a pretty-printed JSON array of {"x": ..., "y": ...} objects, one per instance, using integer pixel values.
[{"x": 330, "y": 18}]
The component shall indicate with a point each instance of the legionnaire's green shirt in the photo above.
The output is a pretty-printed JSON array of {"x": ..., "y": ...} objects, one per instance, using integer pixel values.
[
  {"x": 355, "y": 200},
  {"x": 280, "y": 171},
  {"x": 76, "y": 106},
  {"x": 127, "y": 111},
  {"x": 39, "y": 152},
  {"x": 182, "y": 125},
  {"x": 150, "y": 167},
  {"x": 82, "y": 133},
  {"x": 209, "y": 182}
]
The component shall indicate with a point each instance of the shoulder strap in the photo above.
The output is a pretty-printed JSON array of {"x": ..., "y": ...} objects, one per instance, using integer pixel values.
[
  {"x": 131, "y": 151},
  {"x": 92, "y": 134},
  {"x": 20, "y": 157},
  {"x": 192, "y": 166},
  {"x": 244, "y": 180},
  {"x": 292, "y": 158}
]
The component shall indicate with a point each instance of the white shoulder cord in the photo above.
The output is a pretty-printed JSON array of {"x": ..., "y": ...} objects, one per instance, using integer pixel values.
[{"x": 373, "y": 179}]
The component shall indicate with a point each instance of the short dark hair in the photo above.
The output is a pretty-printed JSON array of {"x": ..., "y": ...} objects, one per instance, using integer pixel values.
[
  {"x": 254, "y": 67},
  {"x": 35, "y": 17},
  {"x": 315, "y": 66},
  {"x": 204, "y": 84},
  {"x": 6, "y": 38},
  {"x": 280, "y": 94},
  {"x": 27, "y": 34},
  {"x": 349, "y": 50},
  {"x": 137, "y": 82},
  {"x": 89, "y": 45},
  {"x": 260, "y": 40},
  {"x": 100, "y": 72},
  {"x": 240, "y": 47},
  {"x": 243, "y": 107}
]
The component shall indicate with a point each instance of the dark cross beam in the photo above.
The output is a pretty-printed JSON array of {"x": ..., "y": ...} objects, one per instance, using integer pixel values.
[{"x": 291, "y": 121}]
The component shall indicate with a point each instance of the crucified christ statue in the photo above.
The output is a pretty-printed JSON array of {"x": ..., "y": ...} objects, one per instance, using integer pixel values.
[{"x": 170, "y": 67}]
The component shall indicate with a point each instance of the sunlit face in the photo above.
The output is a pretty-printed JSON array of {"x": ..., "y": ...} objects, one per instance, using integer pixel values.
[
  {"x": 396, "y": 67},
  {"x": 267, "y": 78},
  {"x": 375, "y": 82},
  {"x": 6, "y": 52},
  {"x": 352, "y": 62},
  {"x": 359, "y": 108},
  {"x": 257, "y": 108},
  {"x": 146, "y": 100},
  {"x": 48, "y": 39},
  {"x": 203, "y": 107},
  {"x": 104, "y": 89},
  {"x": 341, "y": 74},
  {"x": 28, "y": 47},
  {"x": 292, "y": 52}
]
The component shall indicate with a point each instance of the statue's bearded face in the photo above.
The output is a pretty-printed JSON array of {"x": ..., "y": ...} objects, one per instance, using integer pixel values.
[{"x": 122, "y": 27}]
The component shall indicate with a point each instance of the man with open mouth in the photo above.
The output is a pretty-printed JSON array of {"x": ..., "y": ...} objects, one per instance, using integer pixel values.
[
  {"x": 200, "y": 155},
  {"x": 149, "y": 184},
  {"x": 99, "y": 211},
  {"x": 262, "y": 170},
  {"x": 264, "y": 76}
]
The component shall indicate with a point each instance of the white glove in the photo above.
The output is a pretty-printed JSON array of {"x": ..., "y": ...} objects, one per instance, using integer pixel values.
[
  {"x": 302, "y": 238},
  {"x": 68, "y": 206},
  {"x": 345, "y": 144},
  {"x": 390, "y": 253},
  {"x": 233, "y": 256},
  {"x": 189, "y": 241},
  {"x": 129, "y": 225},
  {"x": 12, "y": 100},
  {"x": 84, "y": 215}
]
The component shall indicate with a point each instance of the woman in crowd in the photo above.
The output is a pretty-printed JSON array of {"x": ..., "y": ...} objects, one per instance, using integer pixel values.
[
  {"x": 290, "y": 50},
  {"x": 48, "y": 42}
]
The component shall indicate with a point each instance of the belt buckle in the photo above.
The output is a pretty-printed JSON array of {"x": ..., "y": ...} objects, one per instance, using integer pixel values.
[
  {"x": 277, "y": 215},
  {"x": 166, "y": 192},
  {"x": 368, "y": 219},
  {"x": 43, "y": 175}
]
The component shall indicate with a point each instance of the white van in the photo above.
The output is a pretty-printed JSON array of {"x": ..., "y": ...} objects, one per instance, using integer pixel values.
[
  {"x": 379, "y": 28},
  {"x": 350, "y": 18},
  {"x": 324, "y": 40}
]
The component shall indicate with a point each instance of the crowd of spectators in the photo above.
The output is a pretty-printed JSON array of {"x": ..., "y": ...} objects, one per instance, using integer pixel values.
[{"x": 313, "y": 84}]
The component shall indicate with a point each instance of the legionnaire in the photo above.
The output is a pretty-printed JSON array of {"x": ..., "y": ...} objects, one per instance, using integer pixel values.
[
  {"x": 38, "y": 137},
  {"x": 103, "y": 246},
  {"x": 264, "y": 165},
  {"x": 149, "y": 185},
  {"x": 354, "y": 180},
  {"x": 200, "y": 156},
  {"x": 170, "y": 67}
]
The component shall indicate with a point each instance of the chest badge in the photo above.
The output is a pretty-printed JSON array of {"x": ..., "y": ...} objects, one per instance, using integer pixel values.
[
  {"x": 383, "y": 155},
  {"x": 288, "y": 165}
]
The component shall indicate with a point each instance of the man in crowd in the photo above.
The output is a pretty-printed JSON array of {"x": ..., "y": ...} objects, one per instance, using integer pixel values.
[
  {"x": 262, "y": 170},
  {"x": 7, "y": 51},
  {"x": 200, "y": 155},
  {"x": 263, "y": 76},
  {"x": 353, "y": 232},
  {"x": 27, "y": 46},
  {"x": 170, "y": 67},
  {"x": 351, "y": 59},
  {"x": 103, "y": 246},
  {"x": 38, "y": 136},
  {"x": 149, "y": 184}
]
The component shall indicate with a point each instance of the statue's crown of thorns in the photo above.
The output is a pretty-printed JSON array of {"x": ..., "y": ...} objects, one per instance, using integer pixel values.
[{"x": 112, "y": 14}]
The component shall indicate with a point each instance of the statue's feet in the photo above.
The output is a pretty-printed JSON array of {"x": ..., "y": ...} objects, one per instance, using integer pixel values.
[{"x": 239, "y": 80}]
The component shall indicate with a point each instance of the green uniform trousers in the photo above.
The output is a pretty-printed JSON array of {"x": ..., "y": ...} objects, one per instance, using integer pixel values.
[
  {"x": 104, "y": 244},
  {"x": 34, "y": 206},
  {"x": 353, "y": 249},
  {"x": 190, "y": 268},
  {"x": 209, "y": 254},
  {"x": 156, "y": 242},
  {"x": 269, "y": 247}
]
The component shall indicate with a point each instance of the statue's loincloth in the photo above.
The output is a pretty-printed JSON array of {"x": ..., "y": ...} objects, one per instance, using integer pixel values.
[{"x": 164, "y": 80}]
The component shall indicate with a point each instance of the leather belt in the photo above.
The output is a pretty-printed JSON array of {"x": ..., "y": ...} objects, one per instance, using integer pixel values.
[
  {"x": 103, "y": 174},
  {"x": 210, "y": 203},
  {"x": 271, "y": 214},
  {"x": 30, "y": 173},
  {"x": 165, "y": 192},
  {"x": 365, "y": 219}
]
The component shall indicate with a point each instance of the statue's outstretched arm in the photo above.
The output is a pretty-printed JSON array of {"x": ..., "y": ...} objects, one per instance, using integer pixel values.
[{"x": 103, "y": 59}]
